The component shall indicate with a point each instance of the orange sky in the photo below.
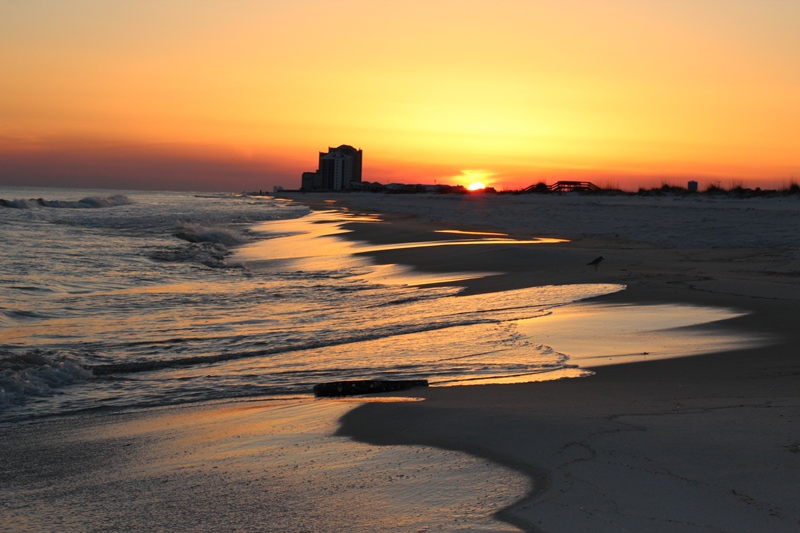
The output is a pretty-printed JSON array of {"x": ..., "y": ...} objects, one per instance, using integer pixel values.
[{"x": 242, "y": 95}]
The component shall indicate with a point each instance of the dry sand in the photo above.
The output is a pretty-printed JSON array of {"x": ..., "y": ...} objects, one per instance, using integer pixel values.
[{"x": 704, "y": 443}]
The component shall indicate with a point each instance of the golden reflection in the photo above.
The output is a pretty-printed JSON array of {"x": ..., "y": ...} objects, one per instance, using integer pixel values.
[
  {"x": 393, "y": 274},
  {"x": 366, "y": 217},
  {"x": 372, "y": 399},
  {"x": 317, "y": 236},
  {"x": 292, "y": 453},
  {"x": 595, "y": 335},
  {"x": 464, "y": 232},
  {"x": 432, "y": 244},
  {"x": 531, "y": 377}
]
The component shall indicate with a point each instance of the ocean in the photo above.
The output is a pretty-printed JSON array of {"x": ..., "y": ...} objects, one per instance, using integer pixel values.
[{"x": 119, "y": 300}]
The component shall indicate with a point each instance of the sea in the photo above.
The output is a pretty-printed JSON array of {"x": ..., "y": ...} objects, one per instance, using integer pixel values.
[{"x": 125, "y": 300}]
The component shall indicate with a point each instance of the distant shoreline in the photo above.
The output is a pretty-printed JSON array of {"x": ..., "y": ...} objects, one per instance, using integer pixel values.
[{"x": 541, "y": 188}]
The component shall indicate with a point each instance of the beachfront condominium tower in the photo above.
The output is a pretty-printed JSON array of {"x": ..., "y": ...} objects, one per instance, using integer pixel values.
[{"x": 339, "y": 168}]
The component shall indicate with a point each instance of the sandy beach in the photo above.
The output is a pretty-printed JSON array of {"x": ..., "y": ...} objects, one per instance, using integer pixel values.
[
  {"x": 703, "y": 443},
  {"x": 666, "y": 443}
]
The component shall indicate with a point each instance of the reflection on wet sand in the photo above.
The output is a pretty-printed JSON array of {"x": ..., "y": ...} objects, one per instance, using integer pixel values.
[
  {"x": 311, "y": 242},
  {"x": 596, "y": 334}
]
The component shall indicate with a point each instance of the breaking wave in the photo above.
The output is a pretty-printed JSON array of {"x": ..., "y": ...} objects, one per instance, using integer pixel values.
[
  {"x": 92, "y": 202},
  {"x": 203, "y": 244},
  {"x": 195, "y": 233},
  {"x": 36, "y": 373}
]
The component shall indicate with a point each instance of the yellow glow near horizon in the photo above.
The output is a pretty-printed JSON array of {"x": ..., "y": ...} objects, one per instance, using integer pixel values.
[
  {"x": 613, "y": 91},
  {"x": 474, "y": 179}
]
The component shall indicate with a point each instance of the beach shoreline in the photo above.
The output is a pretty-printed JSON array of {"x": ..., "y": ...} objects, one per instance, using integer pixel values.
[
  {"x": 691, "y": 444},
  {"x": 701, "y": 443}
]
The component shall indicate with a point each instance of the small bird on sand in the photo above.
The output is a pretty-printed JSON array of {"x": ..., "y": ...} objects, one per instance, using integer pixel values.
[{"x": 595, "y": 263}]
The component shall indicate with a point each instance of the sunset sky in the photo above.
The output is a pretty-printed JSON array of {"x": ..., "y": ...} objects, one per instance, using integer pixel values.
[{"x": 242, "y": 95}]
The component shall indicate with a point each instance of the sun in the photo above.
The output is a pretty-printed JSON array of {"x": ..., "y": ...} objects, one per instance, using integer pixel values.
[{"x": 476, "y": 176}]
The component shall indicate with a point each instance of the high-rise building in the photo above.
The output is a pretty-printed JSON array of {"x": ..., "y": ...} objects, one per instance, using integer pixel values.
[{"x": 338, "y": 169}]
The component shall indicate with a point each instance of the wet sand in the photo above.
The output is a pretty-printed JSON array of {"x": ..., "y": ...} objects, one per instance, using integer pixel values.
[
  {"x": 703, "y": 443},
  {"x": 251, "y": 465}
]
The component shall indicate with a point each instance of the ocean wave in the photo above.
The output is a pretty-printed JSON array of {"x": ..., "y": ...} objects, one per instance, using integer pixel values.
[
  {"x": 207, "y": 245},
  {"x": 22, "y": 315},
  {"x": 210, "y": 255},
  {"x": 286, "y": 347},
  {"x": 91, "y": 202},
  {"x": 195, "y": 233},
  {"x": 35, "y": 374},
  {"x": 408, "y": 317}
]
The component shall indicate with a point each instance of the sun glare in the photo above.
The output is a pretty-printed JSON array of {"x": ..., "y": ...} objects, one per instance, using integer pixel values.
[{"x": 477, "y": 186}]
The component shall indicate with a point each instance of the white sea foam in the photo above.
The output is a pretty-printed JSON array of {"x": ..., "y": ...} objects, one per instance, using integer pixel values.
[
  {"x": 91, "y": 202},
  {"x": 194, "y": 232},
  {"x": 37, "y": 373}
]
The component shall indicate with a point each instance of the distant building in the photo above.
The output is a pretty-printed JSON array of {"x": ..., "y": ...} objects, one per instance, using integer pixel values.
[
  {"x": 339, "y": 169},
  {"x": 311, "y": 181},
  {"x": 368, "y": 186}
]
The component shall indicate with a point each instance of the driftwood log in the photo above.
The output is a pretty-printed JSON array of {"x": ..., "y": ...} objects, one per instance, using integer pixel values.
[{"x": 370, "y": 386}]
